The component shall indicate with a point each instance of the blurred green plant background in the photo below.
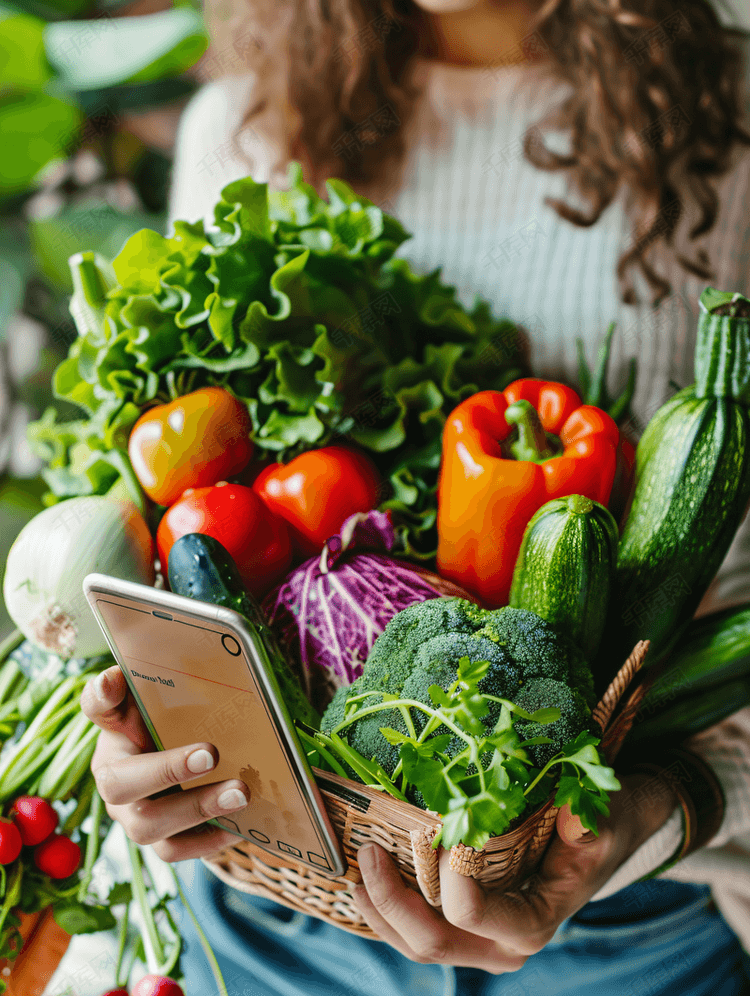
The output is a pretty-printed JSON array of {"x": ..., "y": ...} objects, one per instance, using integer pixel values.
[{"x": 90, "y": 95}]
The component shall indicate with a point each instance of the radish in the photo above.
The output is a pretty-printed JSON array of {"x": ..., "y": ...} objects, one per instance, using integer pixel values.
[
  {"x": 35, "y": 818},
  {"x": 156, "y": 985},
  {"x": 10, "y": 843},
  {"x": 58, "y": 856}
]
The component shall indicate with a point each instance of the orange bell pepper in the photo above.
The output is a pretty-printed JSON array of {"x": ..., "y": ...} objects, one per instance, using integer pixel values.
[{"x": 491, "y": 483}]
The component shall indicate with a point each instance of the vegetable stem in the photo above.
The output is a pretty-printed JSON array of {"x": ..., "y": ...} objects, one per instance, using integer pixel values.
[
  {"x": 120, "y": 981},
  {"x": 532, "y": 443},
  {"x": 92, "y": 845},
  {"x": 221, "y": 986},
  {"x": 12, "y": 894},
  {"x": 151, "y": 941},
  {"x": 9, "y": 644}
]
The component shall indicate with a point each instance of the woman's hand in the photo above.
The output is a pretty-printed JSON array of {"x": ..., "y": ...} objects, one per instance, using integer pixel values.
[
  {"x": 129, "y": 772},
  {"x": 498, "y": 931}
]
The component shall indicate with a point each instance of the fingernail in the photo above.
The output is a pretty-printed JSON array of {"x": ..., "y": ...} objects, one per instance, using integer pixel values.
[
  {"x": 102, "y": 686},
  {"x": 366, "y": 858},
  {"x": 200, "y": 760},
  {"x": 232, "y": 799}
]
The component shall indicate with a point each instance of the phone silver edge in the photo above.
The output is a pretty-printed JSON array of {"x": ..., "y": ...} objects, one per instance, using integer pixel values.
[{"x": 103, "y": 584}]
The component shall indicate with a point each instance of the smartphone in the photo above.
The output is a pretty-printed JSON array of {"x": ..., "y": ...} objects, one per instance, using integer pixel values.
[{"x": 202, "y": 672}]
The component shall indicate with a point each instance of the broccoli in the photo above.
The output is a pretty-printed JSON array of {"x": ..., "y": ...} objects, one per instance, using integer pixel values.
[
  {"x": 391, "y": 658},
  {"x": 529, "y": 663},
  {"x": 541, "y": 693}
]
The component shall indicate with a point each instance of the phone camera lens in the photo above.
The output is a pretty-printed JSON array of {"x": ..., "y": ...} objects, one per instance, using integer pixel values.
[{"x": 231, "y": 646}]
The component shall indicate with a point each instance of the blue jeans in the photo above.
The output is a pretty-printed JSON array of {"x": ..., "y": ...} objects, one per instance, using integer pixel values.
[{"x": 658, "y": 938}]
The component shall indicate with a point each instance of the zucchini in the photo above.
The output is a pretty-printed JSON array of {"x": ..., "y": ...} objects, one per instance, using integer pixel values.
[
  {"x": 692, "y": 488},
  {"x": 714, "y": 649},
  {"x": 566, "y": 566},
  {"x": 200, "y": 567},
  {"x": 691, "y": 714}
]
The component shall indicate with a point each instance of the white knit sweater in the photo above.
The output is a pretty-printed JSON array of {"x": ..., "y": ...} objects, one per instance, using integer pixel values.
[{"x": 476, "y": 208}]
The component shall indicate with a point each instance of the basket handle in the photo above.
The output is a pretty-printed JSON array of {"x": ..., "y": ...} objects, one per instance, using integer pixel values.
[{"x": 614, "y": 733}]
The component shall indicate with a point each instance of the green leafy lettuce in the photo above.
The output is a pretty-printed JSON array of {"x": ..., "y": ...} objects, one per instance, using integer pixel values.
[{"x": 298, "y": 306}]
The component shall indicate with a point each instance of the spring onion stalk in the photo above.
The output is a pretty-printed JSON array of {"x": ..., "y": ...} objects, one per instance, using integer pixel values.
[
  {"x": 84, "y": 798},
  {"x": 151, "y": 941},
  {"x": 27, "y": 760},
  {"x": 92, "y": 845},
  {"x": 78, "y": 766},
  {"x": 12, "y": 893},
  {"x": 220, "y": 984},
  {"x": 77, "y": 739},
  {"x": 9, "y": 644},
  {"x": 121, "y": 981}
]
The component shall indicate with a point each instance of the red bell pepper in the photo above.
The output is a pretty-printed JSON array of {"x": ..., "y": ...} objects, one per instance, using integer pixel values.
[{"x": 493, "y": 479}]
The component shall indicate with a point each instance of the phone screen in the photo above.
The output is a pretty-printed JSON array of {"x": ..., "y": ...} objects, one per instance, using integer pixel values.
[{"x": 195, "y": 683}]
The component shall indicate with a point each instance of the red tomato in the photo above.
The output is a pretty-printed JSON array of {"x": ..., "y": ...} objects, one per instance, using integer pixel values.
[
  {"x": 156, "y": 985},
  {"x": 58, "y": 856},
  {"x": 197, "y": 440},
  {"x": 256, "y": 539},
  {"x": 10, "y": 843},
  {"x": 317, "y": 491},
  {"x": 35, "y": 818}
]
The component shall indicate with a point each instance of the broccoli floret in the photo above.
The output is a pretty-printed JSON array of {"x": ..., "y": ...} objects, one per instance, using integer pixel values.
[
  {"x": 364, "y": 735},
  {"x": 575, "y": 716},
  {"x": 391, "y": 659},
  {"x": 334, "y": 713},
  {"x": 532, "y": 643}
]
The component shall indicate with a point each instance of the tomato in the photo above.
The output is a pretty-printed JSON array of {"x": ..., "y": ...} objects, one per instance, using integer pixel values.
[
  {"x": 58, "y": 856},
  {"x": 156, "y": 985},
  {"x": 256, "y": 539},
  {"x": 197, "y": 440},
  {"x": 10, "y": 843},
  {"x": 317, "y": 491},
  {"x": 35, "y": 818}
]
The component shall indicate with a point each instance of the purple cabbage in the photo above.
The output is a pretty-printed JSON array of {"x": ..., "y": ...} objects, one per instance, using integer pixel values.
[{"x": 329, "y": 611}]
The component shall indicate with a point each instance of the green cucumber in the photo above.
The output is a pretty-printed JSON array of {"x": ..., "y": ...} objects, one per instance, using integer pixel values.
[
  {"x": 714, "y": 649},
  {"x": 692, "y": 488},
  {"x": 200, "y": 567},
  {"x": 691, "y": 714},
  {"x": 565, "y": 568}
]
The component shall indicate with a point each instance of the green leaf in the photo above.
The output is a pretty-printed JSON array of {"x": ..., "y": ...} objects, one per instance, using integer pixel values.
[
  {"x": 36, "y": 127},
  {"x": 96, "y": 226},
  {"x": 426, "y": 774},
  {"x": 108, "y": 51},
  {"x": 586, "y": 805},
  {"x": 77, "y": 918},
  {"x": 121, "y": 892},
  {"x": 281, "y": 431},
  {"x": 23, "y": 63}
]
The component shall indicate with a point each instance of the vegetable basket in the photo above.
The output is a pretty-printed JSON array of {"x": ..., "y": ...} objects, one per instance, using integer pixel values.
[{"x": 361, "y": 814}]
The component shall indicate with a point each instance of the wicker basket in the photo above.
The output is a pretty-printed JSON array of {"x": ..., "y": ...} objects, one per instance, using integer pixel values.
[{"x": 361, "y": 814}]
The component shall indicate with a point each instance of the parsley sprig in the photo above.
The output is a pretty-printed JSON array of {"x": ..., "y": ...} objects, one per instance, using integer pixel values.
[{"x": 490, "y": 780}]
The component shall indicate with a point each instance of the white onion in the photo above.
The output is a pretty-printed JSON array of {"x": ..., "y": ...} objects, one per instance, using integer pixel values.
[{"x": 52, "y": 555}]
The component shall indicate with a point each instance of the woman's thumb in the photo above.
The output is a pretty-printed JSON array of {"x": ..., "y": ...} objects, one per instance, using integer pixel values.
[{"x": 570, "y": 829}]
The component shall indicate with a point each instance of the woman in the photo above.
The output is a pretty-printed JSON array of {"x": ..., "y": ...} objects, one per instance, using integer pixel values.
[{"x": 556, "y": 159}]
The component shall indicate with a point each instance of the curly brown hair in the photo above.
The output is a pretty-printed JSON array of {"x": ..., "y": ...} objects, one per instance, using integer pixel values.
[{"x": 656, "y": 105}]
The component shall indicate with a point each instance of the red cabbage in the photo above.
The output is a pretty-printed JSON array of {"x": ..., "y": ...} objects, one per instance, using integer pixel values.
[{"x": 328, "y": 612}]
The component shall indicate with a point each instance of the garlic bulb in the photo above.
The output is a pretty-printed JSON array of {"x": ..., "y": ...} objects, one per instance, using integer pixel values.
[{"x": 52, "y": 555}]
